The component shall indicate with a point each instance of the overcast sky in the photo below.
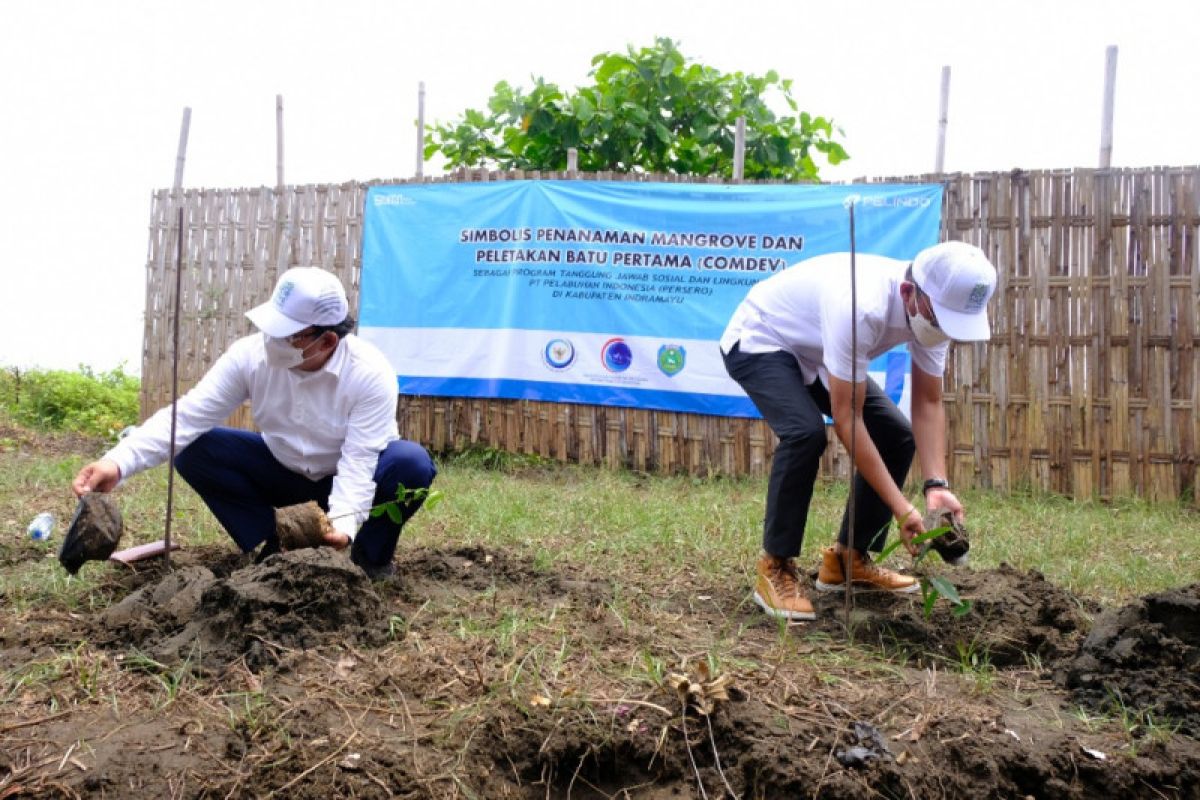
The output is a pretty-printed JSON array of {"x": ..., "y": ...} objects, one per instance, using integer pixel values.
[{"x": 92, "y": 92}]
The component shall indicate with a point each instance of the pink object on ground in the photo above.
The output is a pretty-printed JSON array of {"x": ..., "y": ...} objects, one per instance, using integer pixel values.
[{"x": 142, "y": 551}]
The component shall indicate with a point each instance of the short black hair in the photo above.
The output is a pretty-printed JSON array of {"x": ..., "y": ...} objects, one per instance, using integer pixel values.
[
  {"x": 908, "y": 278},
  {"x": 341, "y": 329}
]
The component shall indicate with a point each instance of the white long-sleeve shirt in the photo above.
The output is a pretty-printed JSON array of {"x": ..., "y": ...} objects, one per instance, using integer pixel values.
[
  {"x": 334, "y": 421},
  {"x": 805, "y": 310}
]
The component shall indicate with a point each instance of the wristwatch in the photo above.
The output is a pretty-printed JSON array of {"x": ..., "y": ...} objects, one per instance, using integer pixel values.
[{"x": 935, "y": 483}]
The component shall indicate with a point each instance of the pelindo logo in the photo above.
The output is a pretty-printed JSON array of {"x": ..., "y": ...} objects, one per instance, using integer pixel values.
[
  {"x": 616, "y": 355},
  {"x": 394, "y": 200},
  {"x": 559, "y": 354},
  {"x": 885, "y": 202}
]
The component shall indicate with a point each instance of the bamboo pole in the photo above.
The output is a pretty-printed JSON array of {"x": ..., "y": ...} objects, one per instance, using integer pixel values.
[
  {"x": 848, "y": 547},
  {"x": 939, "y": 162},
  {"x": 279, "y": 142},
  {"x": 1106, "y": 116},
  {"x": 182, "y": 151},
  {"x": 739, "y": 150},
  {"x": 177, "y": 192},
  {"x": 421, "y": 129}
]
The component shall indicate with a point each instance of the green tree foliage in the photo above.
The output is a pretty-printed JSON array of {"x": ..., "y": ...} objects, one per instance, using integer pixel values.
[
  {"x": 649, "y": 110},
  {"x": 99, "y": 404}
]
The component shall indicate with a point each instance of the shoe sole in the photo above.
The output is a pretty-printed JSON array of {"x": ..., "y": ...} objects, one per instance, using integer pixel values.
[
  {"x": 775, "y": 612},
  {"x": 841, "y": 587}
]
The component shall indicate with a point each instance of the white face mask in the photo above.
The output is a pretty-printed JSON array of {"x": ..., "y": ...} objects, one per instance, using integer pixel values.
[
  {"x": 924, "y": 331},
  {"x": 281, "y": 354}
]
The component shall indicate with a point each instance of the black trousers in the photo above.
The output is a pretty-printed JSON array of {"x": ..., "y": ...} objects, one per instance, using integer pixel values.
[{"x": 796, "y": 413}]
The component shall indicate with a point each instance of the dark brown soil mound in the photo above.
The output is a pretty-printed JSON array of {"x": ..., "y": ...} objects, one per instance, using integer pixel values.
[
  {"x": 291, "y": 601},
  {"x": 747, "y": 753},
  {"x": 1017, "y": 618},
  {"x": 1144, "y": 659}
]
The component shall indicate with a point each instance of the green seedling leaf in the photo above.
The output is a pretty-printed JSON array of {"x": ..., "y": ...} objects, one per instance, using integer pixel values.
[
  {"x": 962, "y": 608},
  {"x": 946, "y": 589},
  {"x": 929, "y": 596},
  {"x": 431, "y": 497},
  {"x": 920, "y": 539}
]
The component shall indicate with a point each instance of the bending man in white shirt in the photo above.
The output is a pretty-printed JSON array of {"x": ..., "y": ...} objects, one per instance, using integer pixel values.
[
  {"x": 789, "y": 347},
  {"x": 325, "y": 402}
]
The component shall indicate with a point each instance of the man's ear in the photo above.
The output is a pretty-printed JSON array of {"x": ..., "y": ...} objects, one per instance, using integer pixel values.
[{"x": 319, "y": 344}]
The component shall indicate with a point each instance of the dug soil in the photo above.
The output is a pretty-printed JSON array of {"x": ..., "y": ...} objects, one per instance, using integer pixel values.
[{"x": 478, "y": 674}]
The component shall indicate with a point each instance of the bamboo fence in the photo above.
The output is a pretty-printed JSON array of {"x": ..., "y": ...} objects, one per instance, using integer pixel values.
[{"x": 1088, "y": 388}]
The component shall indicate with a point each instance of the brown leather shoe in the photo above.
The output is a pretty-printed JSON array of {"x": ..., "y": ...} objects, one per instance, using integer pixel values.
[
  {"x": 831, "y": 576},
  {"x": 777, "y": 589}
]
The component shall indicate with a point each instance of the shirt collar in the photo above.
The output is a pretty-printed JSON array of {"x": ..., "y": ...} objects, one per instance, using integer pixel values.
[{"x": 337, "y": 361}]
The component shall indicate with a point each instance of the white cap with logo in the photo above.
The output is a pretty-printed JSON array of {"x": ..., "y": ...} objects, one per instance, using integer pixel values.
[
  {"x": 303, "y": 296},
  {"x": 959, "y": 280}
]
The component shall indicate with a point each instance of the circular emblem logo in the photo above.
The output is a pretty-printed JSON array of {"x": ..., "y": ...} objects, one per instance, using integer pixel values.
[
  {"x": 616, "y": 355},
  {"x": 671, "y": 358},
  {"x": 558, "y": 354}
]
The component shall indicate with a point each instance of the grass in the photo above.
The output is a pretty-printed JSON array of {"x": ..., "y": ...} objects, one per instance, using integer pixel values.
[
  {"x": 1107, "y": 551},
  {"x": 706, "y": 528}
]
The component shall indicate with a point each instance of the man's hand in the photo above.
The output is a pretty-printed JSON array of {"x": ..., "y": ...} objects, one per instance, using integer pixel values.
[
  {"x": 911, "y": 527},
  {"x": 944, "y": 498},
  {"x": 331, "y": 537},
  {"x": 99, "y": 476}
]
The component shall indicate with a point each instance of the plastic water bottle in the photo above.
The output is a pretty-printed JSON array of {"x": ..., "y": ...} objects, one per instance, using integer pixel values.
[{"x": 41, "y": 527}]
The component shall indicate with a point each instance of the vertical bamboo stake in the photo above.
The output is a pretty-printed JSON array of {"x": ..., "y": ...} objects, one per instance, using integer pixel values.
[
  {"x": 848, "y": 549},
  {"x": 282, "y": 209},
  {"x": 279, "y": 142},
  {"x": 1106, "y": 116},
  {"x": 421, "y": 129},
  {"x": 177, "y": 192},
  {"x": 939, "y": 162},
  {"x": 739, "y": 150},
  {"x": 179, "y": 156}
]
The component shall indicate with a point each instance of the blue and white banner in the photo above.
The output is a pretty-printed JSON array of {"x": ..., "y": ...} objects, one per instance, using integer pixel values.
[{"x": 606, "y": 293}]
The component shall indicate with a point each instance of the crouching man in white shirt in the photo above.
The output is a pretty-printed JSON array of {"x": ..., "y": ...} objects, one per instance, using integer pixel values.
[
  {"x": 325, "y": 402},
  {"x": 789, "y": 347}
]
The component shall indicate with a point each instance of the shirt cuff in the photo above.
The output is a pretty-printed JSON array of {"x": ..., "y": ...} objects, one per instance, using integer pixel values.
[
  {"x": 125, "y": 463},
  {"x": 347, "y": 525}
]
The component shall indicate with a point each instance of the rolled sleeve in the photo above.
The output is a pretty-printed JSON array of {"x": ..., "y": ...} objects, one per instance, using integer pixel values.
[{"x": 372, "y": 425}]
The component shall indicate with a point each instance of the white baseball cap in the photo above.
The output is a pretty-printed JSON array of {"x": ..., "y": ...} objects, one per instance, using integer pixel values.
[
  {"x": 303, "y": 296},
  {"x": 959, "y": 280}
]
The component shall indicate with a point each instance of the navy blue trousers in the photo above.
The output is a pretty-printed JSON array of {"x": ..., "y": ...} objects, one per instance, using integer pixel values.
[{"x": 239, "y": 480}]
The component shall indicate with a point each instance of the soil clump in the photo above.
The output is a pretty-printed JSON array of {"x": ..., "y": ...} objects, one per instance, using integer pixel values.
[
  {"x": 94, "y": 533},
  {"x": 300, "y": 526},
  {"x": 1144, "y": 658}
]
